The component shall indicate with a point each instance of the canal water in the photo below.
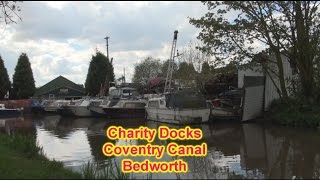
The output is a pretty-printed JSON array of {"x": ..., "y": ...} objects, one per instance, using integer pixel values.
[{"x": 234, "y": 150}]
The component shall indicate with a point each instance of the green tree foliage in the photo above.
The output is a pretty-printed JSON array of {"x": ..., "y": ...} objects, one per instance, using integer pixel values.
[
  {"x": 204, "y": 76},
  {"x": 4, "y": 80},
  {"x": 205, "y": 69},
  {"x": 186, "y": 71},
  {"x": 186, "y": 75},
  {"x": 100, "y": 72},
  {"x": 149, "y": 68},
  {"x": 290, "y": 28},
  {"x": 23, "y": 85},
  {"x": 164, "y": 69}
]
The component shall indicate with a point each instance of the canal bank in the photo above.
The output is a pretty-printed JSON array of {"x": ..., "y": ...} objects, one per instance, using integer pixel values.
[
  {"x": 20, "y": 159},
  {"x": 293, "y": 113}
]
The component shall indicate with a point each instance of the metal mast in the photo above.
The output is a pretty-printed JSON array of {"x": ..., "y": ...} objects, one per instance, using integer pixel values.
[{"x": 171, "y": 63}]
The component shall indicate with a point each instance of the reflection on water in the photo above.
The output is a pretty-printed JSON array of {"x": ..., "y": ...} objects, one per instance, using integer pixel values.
[{"x": 234, "y": 150}]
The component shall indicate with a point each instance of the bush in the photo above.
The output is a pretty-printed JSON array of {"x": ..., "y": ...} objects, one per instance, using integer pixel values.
[{"x": 294, "y": 113}]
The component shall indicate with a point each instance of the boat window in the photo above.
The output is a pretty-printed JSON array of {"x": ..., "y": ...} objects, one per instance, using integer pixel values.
[
  {"x": 154, "y": 104},
  {"x": 126, "y": 91},
  {"x": 161, "y": 102},
  {"x": 95, "y": 103},
  {"x": 129, "y": 92},
  {"x": 1, "y": 106},
  {"x": 114, "y": 92}
]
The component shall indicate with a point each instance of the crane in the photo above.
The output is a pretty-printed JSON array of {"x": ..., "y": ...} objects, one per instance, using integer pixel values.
[{"x": 167, "y": 87}]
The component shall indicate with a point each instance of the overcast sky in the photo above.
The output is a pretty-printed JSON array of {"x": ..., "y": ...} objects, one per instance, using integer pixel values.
[{"x": 60, "y": 37}]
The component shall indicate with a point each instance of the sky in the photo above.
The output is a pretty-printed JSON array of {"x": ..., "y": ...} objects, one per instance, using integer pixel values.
[{"x": 61, "y": 37}]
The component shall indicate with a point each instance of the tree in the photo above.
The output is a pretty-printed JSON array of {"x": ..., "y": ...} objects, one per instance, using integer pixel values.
[
  {"x": 4, "y": 80},
  {"x": 164, "y": 69},
  {"x": 192, "y": 55},
  {"x": 9, "y": 10},
  {"x": 186, "y": 71},
  {"x": 186, "y": 75},
  {"x": 205, "y": 69},
  {"x": 204, "y": 77},
  {"x": 23, "y": 85},
  {"x": 99, "y": 74},
  {"x": 149, "y": 68},
  {"x": 290, "y": 28}
]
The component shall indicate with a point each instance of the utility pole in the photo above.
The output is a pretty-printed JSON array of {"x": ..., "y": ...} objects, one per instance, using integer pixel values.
[
  {"x": 106, "y": 82},
  {"x": 106, "y": 38},
  {"x": 124, "y": 75}
]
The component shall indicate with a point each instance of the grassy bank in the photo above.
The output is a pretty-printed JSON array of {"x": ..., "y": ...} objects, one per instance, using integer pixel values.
[
  {"x": 109, "y": 171},
  {"x": 294, "y": 113},
  {"x": 20, "y": 158}
]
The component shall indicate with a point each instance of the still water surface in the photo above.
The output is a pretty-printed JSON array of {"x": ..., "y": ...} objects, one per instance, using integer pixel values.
[{"x": 234, "y": 150}]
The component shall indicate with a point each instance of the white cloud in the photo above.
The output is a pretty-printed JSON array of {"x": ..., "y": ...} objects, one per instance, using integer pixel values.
[
  {"x": 56, "y": 4},
  {"x": 60, "y": 37}
]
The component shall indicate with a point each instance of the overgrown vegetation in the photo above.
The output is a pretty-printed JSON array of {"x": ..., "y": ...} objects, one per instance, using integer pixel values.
[
  {"x": 294, "y": 113},
  {"x": 109, "y": 171},
  {"x": 22, "y": 158},
  {"x": 24, "y": 144}
]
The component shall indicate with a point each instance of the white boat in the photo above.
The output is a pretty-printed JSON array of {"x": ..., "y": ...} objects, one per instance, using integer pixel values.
[
  {"x": 178, "y": 108},
  {"x": 7, "y": 113},
  {"x": 52, "y": 106},
  {"x": 126, "y": 108},
  {"x": 97, "y": 110},
  {"x": 119, "y": 103},
  {"x": 65, "y": 109},
  {"x": 80, "y": 108}
]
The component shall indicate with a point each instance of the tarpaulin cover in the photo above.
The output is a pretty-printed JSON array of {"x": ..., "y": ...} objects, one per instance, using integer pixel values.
[{"x": 185, "y": 99}]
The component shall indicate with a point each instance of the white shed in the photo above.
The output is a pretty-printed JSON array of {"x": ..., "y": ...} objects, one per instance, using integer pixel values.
[{"x": 258, "y": 96}]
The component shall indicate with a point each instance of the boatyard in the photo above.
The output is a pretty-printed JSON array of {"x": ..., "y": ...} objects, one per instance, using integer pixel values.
[
  {"x": 72, "y": 131},
  {"x": 175, "y": 105},
  {"x": 160, "y": 90}
]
